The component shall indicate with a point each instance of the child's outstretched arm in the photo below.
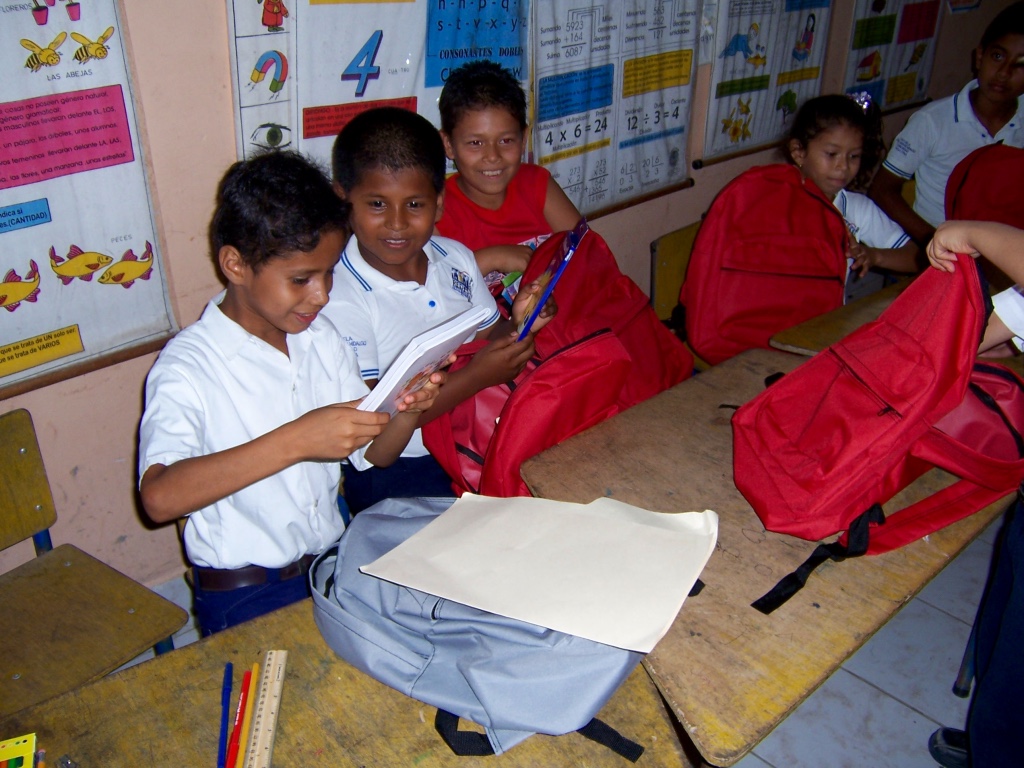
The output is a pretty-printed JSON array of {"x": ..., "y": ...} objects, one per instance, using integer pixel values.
[
  {"x": 387, "y": 447},
  {"x": 501, "y": 360},
  {"x": 903, "y": 259},
  {"x": 1001, "y": 244},
  {"x": 559, "y": 212},
  {"x": 503, "y": 258},
  {"x": 887, "y": 190},
  {"x": 328, "y": 433}
]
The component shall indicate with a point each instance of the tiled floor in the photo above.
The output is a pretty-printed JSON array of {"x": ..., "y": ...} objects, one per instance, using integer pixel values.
[{"x": 880, "y": 707}]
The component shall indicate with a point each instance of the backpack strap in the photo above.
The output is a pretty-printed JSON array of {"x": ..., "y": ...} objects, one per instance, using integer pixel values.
[
  {"x": 856, "y": 545},
  {"x": 602, "y": 733},
  {"x": 473, "y": 743},
  {"x": 463, "y": 743}
]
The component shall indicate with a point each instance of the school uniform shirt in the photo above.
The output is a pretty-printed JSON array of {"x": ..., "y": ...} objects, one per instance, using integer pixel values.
[
  {"x": 216, "y": 386},
  {"x": 1009, "y": 305},
  {"x": 378, "y": 315},
  {"x": 869, "y": 224},
  {"x": 935, "y": 139}
]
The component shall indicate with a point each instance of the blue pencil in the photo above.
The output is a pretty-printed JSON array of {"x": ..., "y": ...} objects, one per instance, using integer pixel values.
[{"x": 225, "y": 714}]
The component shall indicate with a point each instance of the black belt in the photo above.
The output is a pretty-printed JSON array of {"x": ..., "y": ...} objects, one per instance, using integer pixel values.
[{"x": 226, "y": 579}]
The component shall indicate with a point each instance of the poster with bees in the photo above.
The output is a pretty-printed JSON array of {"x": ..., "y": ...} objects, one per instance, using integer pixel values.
[
  {"x": 80, "y": 274},
  {"x": 302, "y": 70},
  {"x": 767, "y": 61},
  {"x": 613, "y": 92},
  {"x": 891, "y": 51}
]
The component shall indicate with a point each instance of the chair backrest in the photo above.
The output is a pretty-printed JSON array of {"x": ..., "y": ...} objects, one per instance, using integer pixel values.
[
  {"x": 670, "y": 255},
  {"x": 26, "y": 505}
]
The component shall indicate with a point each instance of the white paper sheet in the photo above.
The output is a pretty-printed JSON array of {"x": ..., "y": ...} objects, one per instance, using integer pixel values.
[{"x": 606, "y": 571}]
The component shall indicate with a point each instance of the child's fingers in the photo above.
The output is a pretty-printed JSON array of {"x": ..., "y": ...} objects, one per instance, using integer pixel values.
[{"x": 349, "y": 413}]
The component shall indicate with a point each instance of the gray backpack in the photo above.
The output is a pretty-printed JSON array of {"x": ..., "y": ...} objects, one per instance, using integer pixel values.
[{"x": 511, "y": 677}]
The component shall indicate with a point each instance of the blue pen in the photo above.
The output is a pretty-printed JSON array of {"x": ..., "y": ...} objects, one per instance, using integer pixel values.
[{"x": 225, "y": 714}]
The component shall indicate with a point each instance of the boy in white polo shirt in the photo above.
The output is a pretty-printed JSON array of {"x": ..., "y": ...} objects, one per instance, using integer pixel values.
[
  {"x": 249, "y": 410},
  {"x": 941, "y": 134},
  {"x": 395, "y": 280}
]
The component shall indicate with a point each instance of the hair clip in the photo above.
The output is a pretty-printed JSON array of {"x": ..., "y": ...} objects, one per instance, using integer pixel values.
[{"x": 861, "y": 99}]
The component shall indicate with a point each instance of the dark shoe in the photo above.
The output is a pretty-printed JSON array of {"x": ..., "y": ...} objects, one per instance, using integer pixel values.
[{"x": 948, "y": 748}]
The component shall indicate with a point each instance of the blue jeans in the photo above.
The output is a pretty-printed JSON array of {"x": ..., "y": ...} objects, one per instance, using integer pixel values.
[
  {"x": 216, "y": 611},
  {"x": 407, "y": 477}
]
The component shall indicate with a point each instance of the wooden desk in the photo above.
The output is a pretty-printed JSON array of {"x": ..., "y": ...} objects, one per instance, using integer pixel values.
[
  {"x": 728, "y": 672},
  {"x": 166, "y": 712},
  {"x": 812, "y": 336}
]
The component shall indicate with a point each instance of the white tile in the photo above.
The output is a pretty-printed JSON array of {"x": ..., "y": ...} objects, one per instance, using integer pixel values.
[
  {"x": 915, "y": 658},
  {"x": 849, "y": 724},
  {"x": 958, "y": 588}
]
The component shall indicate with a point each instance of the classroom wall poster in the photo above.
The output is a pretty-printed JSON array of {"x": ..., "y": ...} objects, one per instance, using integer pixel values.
[
  {"x": 613, "y": 85},
  {"x": 302, "y": 70},
  {"x": 768, "y": 62},
  {"x": 891, "y": 50},
  {"x": 79, "y": 256}
]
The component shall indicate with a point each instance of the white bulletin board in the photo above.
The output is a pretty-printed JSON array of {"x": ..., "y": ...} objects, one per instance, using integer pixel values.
[{"x": 81, "y": 281}]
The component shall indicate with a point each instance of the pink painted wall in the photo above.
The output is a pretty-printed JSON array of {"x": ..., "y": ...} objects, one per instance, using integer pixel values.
[{"x": 87, "y": 425}]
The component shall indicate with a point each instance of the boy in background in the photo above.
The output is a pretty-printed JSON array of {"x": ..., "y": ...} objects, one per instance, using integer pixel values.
[
  {"x": 396, "y": 281},
  {"x": 250, "y": 409},
  {"x": 496, "y": 204},
  {"x": 941, "y": 134}
]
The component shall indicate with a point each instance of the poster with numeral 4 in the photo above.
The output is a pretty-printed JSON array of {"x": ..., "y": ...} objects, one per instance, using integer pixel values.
[{"x": 304, "y": 68}]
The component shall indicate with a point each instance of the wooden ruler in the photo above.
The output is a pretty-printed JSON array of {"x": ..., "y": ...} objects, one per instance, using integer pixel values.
[{"x": 265, "y": 710}]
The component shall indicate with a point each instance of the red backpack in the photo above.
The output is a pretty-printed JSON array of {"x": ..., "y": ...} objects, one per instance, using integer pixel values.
[
  {"x": 482, "y": 442},
  {"x": 770, "y": 254},
  {"x": 594, "y": 295},
  {"x": 985, "y": 186},
  {"x": 604, "y": 351},
  {"x": 821, "y": 449}
]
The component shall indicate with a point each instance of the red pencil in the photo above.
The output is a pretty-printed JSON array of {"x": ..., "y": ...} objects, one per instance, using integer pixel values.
[{"x": 236, "y": 731}]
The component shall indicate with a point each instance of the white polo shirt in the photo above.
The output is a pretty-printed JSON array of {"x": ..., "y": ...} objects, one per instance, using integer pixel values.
[
  {"x": 1009, "y": 305},
  {"x": 935, "y": 139},
  {"x": 869, "y": 224},
  {"x": 378, "y": 315},
  {"x": 216, "y": 386}
]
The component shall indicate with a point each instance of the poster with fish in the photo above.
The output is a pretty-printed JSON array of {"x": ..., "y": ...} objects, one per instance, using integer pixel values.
[
  {"x": 80, "y": 272},
  {"x": 613, "y": 93},
  {"x": 892, "y": 48},
  {"x": 767, "y": 60},
  {"x": 354, "y": 56}
]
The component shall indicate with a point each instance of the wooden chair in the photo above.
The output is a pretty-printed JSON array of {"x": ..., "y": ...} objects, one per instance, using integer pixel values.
[
  {"x": 670, "y": 256},
  {"x": 68, "y": 618}
]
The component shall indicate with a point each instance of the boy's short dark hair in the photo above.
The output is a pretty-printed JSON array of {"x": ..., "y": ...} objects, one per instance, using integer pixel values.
[
  {"x": 479, "y": 85},
  {"x": 389, "y": 139},
  {"x": 1009, "y": 21},
  {"x": 273, "y": 204}
]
